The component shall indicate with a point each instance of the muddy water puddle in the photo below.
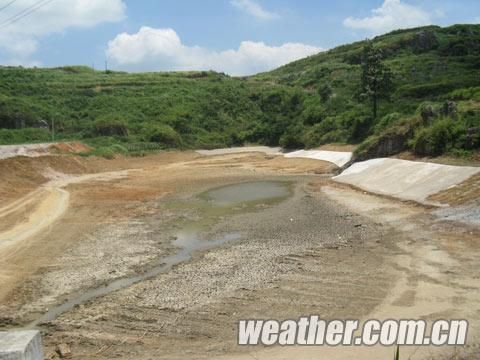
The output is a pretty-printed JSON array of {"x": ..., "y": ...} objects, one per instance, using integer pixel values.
[
  {"x": 210, "y": 205},
  {"x": 249, "y": 192}
]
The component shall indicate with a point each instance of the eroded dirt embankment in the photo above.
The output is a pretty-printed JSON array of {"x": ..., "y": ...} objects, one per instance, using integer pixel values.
[{"x": 328, "y": 251}]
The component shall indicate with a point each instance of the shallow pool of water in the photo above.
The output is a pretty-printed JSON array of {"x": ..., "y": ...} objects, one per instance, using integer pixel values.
[
  {"x": 213, "y": 203},
  {"x": 247, "y": 192}
]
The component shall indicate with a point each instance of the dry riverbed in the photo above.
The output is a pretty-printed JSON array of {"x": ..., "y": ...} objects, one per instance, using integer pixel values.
[{"x": 308, "y": 248}]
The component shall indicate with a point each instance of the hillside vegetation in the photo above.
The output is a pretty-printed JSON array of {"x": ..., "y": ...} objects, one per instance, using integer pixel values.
[{"x": 434, "y": 107}]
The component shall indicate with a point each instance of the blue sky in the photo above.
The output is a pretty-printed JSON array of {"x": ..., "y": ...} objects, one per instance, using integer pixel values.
[{"x": 235, "y": 36}]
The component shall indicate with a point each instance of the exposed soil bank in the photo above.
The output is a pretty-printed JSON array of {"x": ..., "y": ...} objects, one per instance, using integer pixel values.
[{"x": 37, "y": 150}]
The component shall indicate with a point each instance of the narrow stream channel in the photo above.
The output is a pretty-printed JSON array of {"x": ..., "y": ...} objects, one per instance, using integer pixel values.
[{"x": 219, "y": 201}]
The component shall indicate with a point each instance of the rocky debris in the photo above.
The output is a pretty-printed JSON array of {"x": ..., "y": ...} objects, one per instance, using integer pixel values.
[
  {"x": 449, "y": 108},
  {"x": 469, "y": 214},
  {"x": 428, "y": 112},
  {"x": 36, "y": 150},
  {"x": 424, "y": 41},
  {"x": 64, "y": 351},
  {"x": 390, "y": 142}
]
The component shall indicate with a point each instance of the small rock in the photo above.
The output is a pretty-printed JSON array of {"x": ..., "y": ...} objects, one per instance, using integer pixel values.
[
  {"x": 64, "y": 351},
  {"x": 51, "y": 356}
]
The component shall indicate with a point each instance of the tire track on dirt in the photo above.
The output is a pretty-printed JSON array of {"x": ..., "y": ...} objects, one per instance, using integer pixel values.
[
  {"x": 48, "y": 204},
  {"x": 51, "y": 206}
]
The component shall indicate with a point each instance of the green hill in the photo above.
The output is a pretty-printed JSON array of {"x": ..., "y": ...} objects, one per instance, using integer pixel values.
[
  {"x": 435, "y": 106},
  {"x": 433, "y": 109},
  {"x": 177, "y": 109}
]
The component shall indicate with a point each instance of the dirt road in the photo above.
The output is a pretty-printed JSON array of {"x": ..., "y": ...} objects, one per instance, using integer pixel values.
[{"x": 323, "y": 249}]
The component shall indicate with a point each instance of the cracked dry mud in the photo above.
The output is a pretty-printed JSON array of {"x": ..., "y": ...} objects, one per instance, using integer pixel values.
[{"x": 325, "y": 250}]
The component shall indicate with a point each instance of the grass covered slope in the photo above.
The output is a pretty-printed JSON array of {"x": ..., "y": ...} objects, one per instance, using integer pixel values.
[
  {"x": 121, "y": 111},
  {"x": 172, "y": 108},
  {"x": 435, "y": 106},
  {"x": 433, "y": 109}
]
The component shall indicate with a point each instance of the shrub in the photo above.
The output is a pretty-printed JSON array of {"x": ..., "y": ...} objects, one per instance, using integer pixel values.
[
  {"x": 313, "y": 137},
  {"x": 313, "y": 114},
  {"x": 20, "y": 136},
  {"x": 206, "y": 140},
  {"x": 325, "y": 91},
  {"x": 361, "y": 128},
  {"x": 237, "y": 138},
  {"x": 472, "y": 93},
  {"x": 390, "y": 141},
  {"x": 117, "y": 148},
  {"x": 426, "y": 90},
  {"x": 436, "y": 139},
  {"x": 387, "y": 121},
  {"x": 110, "y": 125},
  {"x": 106, "y": 152},
  {"x": 162, "y": 134},
  {"x": 335, "y": 136},
  {"x": 428, "y": 111},
  {"x": 293, "y": 138},
  {"x": 460, "y": 153}
]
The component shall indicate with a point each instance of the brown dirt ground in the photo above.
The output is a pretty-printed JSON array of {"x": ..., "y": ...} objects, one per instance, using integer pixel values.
[
  {"x": 338, "y": 147},
  {"x": 474, "y": 160},
  {"x": 363, "y": 256},
  {"x": 464, "y": 193},
  {"x": 151, "y": 177}
]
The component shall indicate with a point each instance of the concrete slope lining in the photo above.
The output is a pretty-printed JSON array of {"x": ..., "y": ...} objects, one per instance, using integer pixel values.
[
  {"x": 246, "y": 149},
  {"x": 403, "y": 179},
  {"x": 338, "y": 158}
]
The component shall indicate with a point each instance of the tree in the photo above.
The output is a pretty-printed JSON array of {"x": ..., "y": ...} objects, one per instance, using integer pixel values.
[{"x": 376, "y": 81}]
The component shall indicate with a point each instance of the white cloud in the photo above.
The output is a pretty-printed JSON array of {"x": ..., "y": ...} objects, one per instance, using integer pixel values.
[
  {"x": 21, "y": 39},
  {"x": 254, "y": 9},
  {"x": 393, "y": 14},
  {"x": 162, "y": 49}
]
